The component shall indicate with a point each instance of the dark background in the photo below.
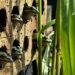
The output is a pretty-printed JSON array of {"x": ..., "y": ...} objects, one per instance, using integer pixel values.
[{"x": 53, "y": 3}]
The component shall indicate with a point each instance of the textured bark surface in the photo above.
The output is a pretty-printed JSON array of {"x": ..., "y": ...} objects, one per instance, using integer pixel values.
[{"x": 7, "y": 37}]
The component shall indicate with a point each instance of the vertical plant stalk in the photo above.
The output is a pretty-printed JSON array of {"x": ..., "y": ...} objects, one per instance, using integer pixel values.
[
  {"x": 53, "y": 70},
  {"x": 53, "y": 62},
  {"x": 67, "y": 36},
  {"x": 72, "y": 34},
  {"x": 39, "y": 39},
  {"x": 58, "y": 47}
]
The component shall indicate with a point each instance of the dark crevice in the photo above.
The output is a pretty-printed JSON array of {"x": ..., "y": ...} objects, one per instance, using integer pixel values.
[
  {"x": 53, "y": 3},
  {"x": 34, "y": 43},
  {"x": 16, "y": 42},
  {"x": 15, "y": 10},
  {"x": 42, "y": 6},
  {"x": 26, "y": 43},
  {"x": 43, "y": 27},
  {"x": 3, "y": 49},
  {"x": 34, "y": 3},
  {"x": 34, "y": 31},
  {"x": 3, "y": 19},
  {"x": 1, "y": 66},
  {"x": 35, "y": 71},
  {"x": 15, "y": 58}
]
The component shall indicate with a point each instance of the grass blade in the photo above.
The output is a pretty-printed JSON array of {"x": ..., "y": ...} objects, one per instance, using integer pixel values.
[
  {"x": 39, "y": 39},
  {"x": 67, "y": 21}
]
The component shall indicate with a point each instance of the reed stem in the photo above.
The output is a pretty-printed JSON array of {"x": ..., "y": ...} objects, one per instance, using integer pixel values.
[{"x": 39, "y": 40}]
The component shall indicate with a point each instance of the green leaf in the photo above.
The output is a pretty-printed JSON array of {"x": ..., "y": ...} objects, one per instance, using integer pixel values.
[
  {"x": 47, "y": 25},
  {"x": 66, "y": 26}
]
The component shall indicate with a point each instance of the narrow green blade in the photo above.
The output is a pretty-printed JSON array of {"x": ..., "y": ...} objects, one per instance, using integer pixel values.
[{"x": 67, "y": 29}]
